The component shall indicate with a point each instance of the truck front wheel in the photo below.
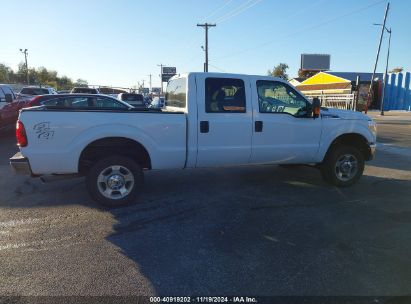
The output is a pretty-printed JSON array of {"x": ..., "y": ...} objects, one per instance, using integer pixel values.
[
  {"x": 343, "y": 166},
  {"x": 114, "y": 181}
]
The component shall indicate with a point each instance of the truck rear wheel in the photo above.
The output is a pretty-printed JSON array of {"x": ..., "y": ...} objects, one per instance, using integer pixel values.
[
  {"x": 114, "y": 181},
  {"x": 343, "y": 166}
]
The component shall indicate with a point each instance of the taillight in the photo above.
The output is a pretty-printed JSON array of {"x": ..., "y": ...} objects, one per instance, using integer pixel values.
[{"x": 21, "y": 134}]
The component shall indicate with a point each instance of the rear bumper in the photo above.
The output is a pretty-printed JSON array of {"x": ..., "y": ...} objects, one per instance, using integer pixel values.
[{"x": 20, "y": 164}]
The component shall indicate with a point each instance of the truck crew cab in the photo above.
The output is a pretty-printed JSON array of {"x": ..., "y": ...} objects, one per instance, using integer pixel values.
[{"x": 210, "y": 120}]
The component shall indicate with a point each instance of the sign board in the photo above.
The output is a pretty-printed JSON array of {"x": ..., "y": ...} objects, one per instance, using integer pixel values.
[
  {"x": 166, "y": 77},
  {"x": 145, "y": 90},
  {"x": 156, "y": 90},
  {"x": 315, "y": 62},
  {"x": 169, "y": 70}
]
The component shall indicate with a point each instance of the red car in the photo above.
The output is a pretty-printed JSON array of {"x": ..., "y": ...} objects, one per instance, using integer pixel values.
[{"x": 9, "y": 106}]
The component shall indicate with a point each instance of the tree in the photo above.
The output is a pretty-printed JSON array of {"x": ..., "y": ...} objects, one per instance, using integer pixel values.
[
  {"x": 279, "y": 70},
  {"x": 6, "y": 73},
  {"x": 397, "y": 70},
  {"x": 38, "y": 76},
  {"x": 21, "y": 73},
  {"x": 81, "y": 83}
]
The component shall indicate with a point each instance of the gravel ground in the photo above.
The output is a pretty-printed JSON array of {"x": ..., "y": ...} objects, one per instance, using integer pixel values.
[{"x": 235, "y": 231}]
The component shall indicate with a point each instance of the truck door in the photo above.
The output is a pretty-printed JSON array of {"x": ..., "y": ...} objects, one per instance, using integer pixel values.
[
  {"x": 224, "y": 120},
  {"x": 283, "y": 133}
]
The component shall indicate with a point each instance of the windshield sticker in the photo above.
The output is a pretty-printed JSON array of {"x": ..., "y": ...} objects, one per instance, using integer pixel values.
[{"x": 43, "y": 130}]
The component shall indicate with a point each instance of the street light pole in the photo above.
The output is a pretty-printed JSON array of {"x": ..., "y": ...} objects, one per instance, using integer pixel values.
[
  {"x": 25, "y": 52},
  {"x": 386, "y": 72}
]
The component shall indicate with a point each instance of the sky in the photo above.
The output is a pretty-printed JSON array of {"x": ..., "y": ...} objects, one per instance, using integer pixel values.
[{"x": 119, "y": 43}]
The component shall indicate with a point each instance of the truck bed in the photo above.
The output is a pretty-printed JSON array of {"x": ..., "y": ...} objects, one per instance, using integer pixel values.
[{"x": 58, "y": 136}]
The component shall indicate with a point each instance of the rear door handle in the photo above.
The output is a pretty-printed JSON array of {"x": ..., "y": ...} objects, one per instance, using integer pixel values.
[
  {"x": 258, "y": 126},
  {"x": 204, "y": 127}
]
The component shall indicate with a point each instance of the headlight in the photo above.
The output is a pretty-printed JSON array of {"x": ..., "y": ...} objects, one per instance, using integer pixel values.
[{"x": 373, "y": 127}]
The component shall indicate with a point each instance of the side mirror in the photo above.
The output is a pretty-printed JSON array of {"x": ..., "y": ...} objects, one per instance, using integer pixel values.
[
  {"x": 316, "y": 107},
  {"x": 9, "y": 98}
]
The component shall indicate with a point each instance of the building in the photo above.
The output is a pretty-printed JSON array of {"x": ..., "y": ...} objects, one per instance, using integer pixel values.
[
  {"x": 343, "y": 83},
  {"x": 296, "y": 81},
  {"x": 398, "y": 92}
]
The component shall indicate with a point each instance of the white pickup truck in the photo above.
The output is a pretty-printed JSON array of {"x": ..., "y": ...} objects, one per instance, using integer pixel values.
[{"x": 210, "y": 120}]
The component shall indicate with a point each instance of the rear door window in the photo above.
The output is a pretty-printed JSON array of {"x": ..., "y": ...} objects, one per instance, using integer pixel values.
[{"x": 224, "y": 95}]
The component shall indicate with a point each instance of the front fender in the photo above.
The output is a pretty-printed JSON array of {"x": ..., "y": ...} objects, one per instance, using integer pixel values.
[{"x": 334, "y": 128}]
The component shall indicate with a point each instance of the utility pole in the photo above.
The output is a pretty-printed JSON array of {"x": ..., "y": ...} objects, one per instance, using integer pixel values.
[
  {"x": 161, "y": 76},
  {"x": 150, "y": 82},
  {"x": 386, "y": 72},
  {"x": 376, "y": 59},
  {"x": 25, "y": 52},
  {"x": 206, "y": 26}
]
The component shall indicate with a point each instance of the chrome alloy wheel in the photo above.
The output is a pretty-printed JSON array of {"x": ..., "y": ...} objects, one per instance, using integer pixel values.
[
  {"x": 115, "y": 182},
  {"x": 346, "y": 167}
]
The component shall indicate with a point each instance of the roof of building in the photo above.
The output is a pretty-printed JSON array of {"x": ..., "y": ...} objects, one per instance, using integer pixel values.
[{"x": 352, "y": 76}]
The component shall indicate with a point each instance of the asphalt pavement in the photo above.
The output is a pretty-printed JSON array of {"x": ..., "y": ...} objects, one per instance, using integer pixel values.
[{"x": 257, "y": 231}]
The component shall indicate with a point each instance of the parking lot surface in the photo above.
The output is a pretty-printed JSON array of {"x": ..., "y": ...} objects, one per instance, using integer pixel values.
[{"x": 233, "y": 231}]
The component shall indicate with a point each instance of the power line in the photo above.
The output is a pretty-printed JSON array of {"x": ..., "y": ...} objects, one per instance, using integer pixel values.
[
  {"x": 192, "y": 38},
  {"x": 304, "y": 30},
  {"x": 217, "y": 10},
  {"x": 240, "y": 9},
  {"x": 216, "y": 67}
]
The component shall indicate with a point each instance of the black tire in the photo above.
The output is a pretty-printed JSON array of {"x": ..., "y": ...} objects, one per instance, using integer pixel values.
[
  {"x": 334, "y": 175},
  {"x": 128, "y": 170}
]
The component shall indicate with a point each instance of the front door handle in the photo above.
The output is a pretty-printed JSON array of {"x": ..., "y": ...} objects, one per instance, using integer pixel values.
[
  {"x": 258, "y": 126},
  {"x": 204, "y": 127}
]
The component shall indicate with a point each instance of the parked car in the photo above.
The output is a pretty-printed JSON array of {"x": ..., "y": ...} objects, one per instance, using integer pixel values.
[
  {"x": 147, "y": 100},
  {"x": 29, "y": 92},
  {"x": 9, "y": 106},
  {"x": 71, "y": 100},
  {"x": 134, "y": 99},
  {"x": 157, "y": 103},
  {"x": 84, "y": 90},
  {"x": 64, "y": 92},
  {"x": 210, "y": 120}
]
